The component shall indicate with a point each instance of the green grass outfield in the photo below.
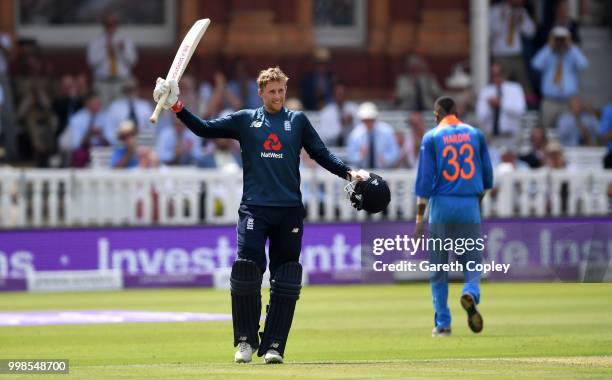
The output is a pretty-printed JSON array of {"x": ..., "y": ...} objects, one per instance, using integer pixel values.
[{"x": 532, "y": 331}]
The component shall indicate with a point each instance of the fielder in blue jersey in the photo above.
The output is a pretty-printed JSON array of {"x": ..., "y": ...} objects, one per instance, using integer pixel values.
[{"x": 454, "y": 173}]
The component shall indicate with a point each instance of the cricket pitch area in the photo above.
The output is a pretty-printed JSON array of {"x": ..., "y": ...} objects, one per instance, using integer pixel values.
[{"x": 532, "y": 331}]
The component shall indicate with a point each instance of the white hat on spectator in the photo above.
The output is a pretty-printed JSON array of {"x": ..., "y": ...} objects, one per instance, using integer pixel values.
[
  {"x": 459, "y": 79},
  {"x": 367, "y": 111},
  {"x": 560, "y": 32},
  {"x": 126, "y": 127}
]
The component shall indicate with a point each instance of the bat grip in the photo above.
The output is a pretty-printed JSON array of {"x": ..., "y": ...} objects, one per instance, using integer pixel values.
[{"x": 158, "y": 108}]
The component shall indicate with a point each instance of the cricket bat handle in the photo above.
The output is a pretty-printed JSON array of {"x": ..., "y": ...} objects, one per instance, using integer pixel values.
[{"x": 158, "y": 108}]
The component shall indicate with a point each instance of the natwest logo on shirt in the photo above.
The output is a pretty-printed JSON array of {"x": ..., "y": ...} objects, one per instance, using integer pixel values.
[{"x": 272, "y": 143}]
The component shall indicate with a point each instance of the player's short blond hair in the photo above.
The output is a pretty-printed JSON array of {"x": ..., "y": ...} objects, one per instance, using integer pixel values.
[{"x": 271, "y": 74}]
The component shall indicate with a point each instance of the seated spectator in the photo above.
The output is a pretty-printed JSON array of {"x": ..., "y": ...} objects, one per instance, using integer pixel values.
[
  {"x": 560, "y": 62},
  {"x": 372, "y": 143},
  {"x": 67, "y": 103},
  {"x": 509, "y": 23},
  {"x": 176, "y": 145},
  {"x": 224, "y": 156},
  {"x": 459, "y": 85},
  {"x": 294, "y": 104},
  {"x": 148, "y": 159},
  {"x": 337, "y": 118},
  {"x": 130, "y": 107},
  {"x": 8, "y": 129},
  {"x": 509, "y": 161},
  {"x": 409, "y": 141},
  {"x": 554, "y": 158},
  {"x": 243, "y": 88},
  {"x": 190, "y": 96},
  {"x": 536, "y": 154},
  {"x": 577, "y": 126},
  {"x": 86, "y": 128},
  {"x": 34, "y": 109},
  {"x": 417, "y": 88},
  {"x": 316, "y": 84},
  {"x": 501, "y": 104},
  {"x": 216, "y": 99},
  {"x": 125, "y": 150},
  {"x": 605, "y": 131},
  {"x": 1, "y": 104}
]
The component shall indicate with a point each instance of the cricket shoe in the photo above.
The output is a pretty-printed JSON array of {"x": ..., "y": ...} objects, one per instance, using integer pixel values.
[
  {"x": 244, "y": 353},
  {"x": 273, "y": 357},
  {"x": 445, "y": 331},
  {"x": 474, "y": 318}
]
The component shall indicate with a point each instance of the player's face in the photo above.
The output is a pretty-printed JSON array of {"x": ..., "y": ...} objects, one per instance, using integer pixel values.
[{"x": 273, "y": 96}]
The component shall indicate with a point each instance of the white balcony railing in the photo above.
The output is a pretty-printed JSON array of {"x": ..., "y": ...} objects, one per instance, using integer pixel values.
[{"x": 184, "y": 196}]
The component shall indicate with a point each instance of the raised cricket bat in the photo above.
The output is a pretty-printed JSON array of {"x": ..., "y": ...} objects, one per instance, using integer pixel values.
[{"x": 181, "y": 59}]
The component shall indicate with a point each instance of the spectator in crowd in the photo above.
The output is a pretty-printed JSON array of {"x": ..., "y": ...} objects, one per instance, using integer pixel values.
[
  {"x": 216, "y": 99},
  {"x": 130, "y": 107},
  {"x": 509, "y": 22},
  {"x": 605, "y": 131},
  {"x": 561, "y": 17},
  {"x": 243, "y": 88},
  {"x": 316, "y": 84},
  {"x": 111, "y": 57},
  {"x": 190, "y": 94},
  {"x": 176, "y": 145},
  {"x": 536, "y": 153},
  {"x": 67, "y": 103},
  {"x": 417, "y": 89},
  {"x": 509, "y": 161},
  {"x": 578, "y": 126},
  {"x": 372, "y": 143},
  {"x": 1, "y": 105},
  {"x": 224, "y": 156},
  {"x": 560, "y": 63},
  {"x": 125, "y": 150},
  {"x": 34, "y": 110},
  {"x": 409, "y": 141},
  {"x": 86, "y": 129},
  {"x": 294, "y": 104},
  {"x": 148, "y": 159},
  {"x": 553, "y": 157},
  {"x": 459, "y": 85},
  {"x": 501, "y": 104},
  {"x": 8, "y": 133},
  {"x": 337, "y": 118},
  {"x": 82, "y": 85}
]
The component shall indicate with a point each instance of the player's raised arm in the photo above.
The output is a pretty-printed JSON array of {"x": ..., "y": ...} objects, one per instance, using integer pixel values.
[{"x": 224, "y": 127}]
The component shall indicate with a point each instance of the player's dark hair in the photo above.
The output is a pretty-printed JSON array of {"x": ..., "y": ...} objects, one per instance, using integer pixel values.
[{"x": 445, "y": 105}]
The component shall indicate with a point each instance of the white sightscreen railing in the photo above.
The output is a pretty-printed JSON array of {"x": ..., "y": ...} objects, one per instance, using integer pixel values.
[{"x": 184, "y": 196}]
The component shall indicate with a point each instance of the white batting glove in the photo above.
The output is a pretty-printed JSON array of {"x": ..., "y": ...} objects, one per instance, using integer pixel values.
[{"x": 163, "y": 87}]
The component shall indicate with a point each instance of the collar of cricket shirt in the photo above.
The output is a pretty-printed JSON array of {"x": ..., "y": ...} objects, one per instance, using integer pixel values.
[{"x": 449, "y": 120}]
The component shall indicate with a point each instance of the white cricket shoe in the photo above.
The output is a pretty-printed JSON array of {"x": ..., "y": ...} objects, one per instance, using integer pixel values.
[
  {"x": 273, "y": 357},
  {"x": 244, "y": 353}
]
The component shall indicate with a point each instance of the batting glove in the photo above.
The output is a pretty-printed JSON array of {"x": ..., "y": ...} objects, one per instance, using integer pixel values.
[{"x": 163, "y": 87}]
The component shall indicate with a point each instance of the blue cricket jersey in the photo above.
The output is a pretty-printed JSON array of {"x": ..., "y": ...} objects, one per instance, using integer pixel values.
[
  {"x": 454, "y": 169},
  {"x": 270, "y": 146}
]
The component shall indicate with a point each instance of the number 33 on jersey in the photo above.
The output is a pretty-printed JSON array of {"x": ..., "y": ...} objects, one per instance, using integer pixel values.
[{"x": 453, "y": 160}]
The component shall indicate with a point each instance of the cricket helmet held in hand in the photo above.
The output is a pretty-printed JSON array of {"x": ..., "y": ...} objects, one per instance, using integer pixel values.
[{"x": 371, "y": 194}]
